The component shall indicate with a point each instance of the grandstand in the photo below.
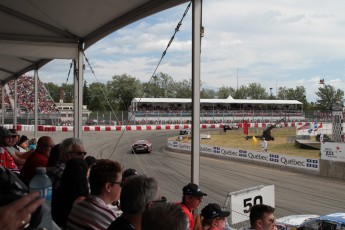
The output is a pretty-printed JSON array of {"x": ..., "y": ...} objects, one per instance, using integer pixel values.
[
  {"x": 47, "y": 109},
  {"x": 178, "y": 110}
]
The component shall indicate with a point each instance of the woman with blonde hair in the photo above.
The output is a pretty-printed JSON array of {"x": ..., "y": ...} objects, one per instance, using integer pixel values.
[{"x": 212, "y": 217}]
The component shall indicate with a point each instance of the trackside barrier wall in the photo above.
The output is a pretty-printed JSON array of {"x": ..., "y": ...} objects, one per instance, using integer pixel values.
[
  {"x": 311, "y": 165},
  {"x": 48, "y": 128}
]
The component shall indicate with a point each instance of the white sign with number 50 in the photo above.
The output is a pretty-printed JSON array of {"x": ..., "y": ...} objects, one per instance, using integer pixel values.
[{"x": 243, "y": 200}]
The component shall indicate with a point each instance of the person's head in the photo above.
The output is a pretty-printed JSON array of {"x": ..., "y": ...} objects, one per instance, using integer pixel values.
[
  {"x": 15, "y": 136},
  {"x": 90, "y": 161},
  {"x": 213, "y": 216},
  {"x": 192, "y": 196},
  {"x": 74, "y": 180},
  {"x": 105, "y": 180},
  {"x": 137, "y": 194},
  {"x": 167, "y": 216},
  {"x": 262, "y": 217},
  {"x": 54, "y": 156},
  {"x": 5, "y": 137},
  {"x": 128, "y": 173},
  {"x": 44, "y": 145},
  {"x": 71, "y": 148},
  {"x": 23, "y": 142}
]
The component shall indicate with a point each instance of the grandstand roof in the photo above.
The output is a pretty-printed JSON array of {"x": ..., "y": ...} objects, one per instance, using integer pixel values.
[
  {"x": 34, "y": 32},
  {"x": 217, "y": 101}
]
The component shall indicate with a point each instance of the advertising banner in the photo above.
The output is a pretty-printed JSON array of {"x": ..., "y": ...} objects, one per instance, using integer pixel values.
[
  {"x": 313, "y": 128},
  {"x": 250, "y": 155},
  {"x": 333, "y": 151}
]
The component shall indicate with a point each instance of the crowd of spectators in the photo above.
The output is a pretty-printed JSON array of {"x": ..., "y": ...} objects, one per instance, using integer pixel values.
[{"x": 25, "y": 97}]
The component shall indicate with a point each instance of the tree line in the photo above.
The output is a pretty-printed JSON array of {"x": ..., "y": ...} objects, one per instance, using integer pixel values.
[{"x": 121, "y": 89}]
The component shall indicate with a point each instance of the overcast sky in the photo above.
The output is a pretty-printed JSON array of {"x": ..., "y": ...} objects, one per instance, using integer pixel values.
[{"x": 275, "y": 43}]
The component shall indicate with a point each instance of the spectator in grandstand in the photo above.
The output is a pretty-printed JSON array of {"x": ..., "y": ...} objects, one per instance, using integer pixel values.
[
  {"x": 264, "y": 145},
  {"x": 164, "y": 216},
  {"x": 15, "y": 154},
  {"x": 128, "y": 173},
  {"x": 137, "y": 194},
  {"x": 74, "y": 188},
  {"x": 191, "y": 200},
  {"x": 262, "y": 217},
  {"x": 32, "y": 143},
  {"x": 39, "y": 158},
  {"x": 23, "y": 144},
  {"x": 90, "y": 161},
  {"x": 105, "y": 185},
  {"x": 211, "y": 217},
  {"x": 69, "y": 148},
  {"x": 6, "y": 159}
]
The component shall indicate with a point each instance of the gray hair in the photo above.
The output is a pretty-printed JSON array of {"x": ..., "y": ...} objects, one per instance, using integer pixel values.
[
  {"x": 66, "y": 146},
  {"x": 166, "y": 216},
  {"x": 137, "y": 192}
]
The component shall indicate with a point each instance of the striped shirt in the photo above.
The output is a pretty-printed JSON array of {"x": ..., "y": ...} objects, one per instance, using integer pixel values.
[{"x": 91, "y": 213}]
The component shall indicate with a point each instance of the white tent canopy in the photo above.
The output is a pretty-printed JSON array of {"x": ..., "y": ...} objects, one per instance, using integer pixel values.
[{"x": 34, "y": 32}]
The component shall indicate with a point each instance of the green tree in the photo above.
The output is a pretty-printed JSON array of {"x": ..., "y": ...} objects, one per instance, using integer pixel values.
[
  {"x": 224, "y": 92},
  {"x": 329, "y": 96},
  {"x": 86, "y": 94},
  {"x": 256, "y": 91},
  {"x": 161, "y": 85},
  {"x": 54, "y": 91},
  {"x": 183, "y": 89},
  {"x": 68, "y": 92},
  {"x": 207, "y": 93},
  {"x": 299, "y": 94},
  {"x": 123, "y": 89},
  {"x": 98, "y": 97}
]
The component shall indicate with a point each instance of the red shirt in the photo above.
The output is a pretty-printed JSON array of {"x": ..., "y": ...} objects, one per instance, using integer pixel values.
[
  {"x": 6, "y": 160},
  {"x": 29, "y": 168},
  {"x": 189, "y": 215}
]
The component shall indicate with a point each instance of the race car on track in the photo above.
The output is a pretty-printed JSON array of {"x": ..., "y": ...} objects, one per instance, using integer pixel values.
[
  {"x": 334, "y": 221},
  {"x": 143, "y": 146},
  {"x": 293, "y": 222}
]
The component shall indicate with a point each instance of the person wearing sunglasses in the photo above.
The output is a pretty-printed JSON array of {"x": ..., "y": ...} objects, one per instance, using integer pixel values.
[
  {"x": 212, "y": 217},
  {"x": 105, "y": 185},
  {"x": 138, "y": 193},
  {"x": 69, "y": 148},
  {"x": 191, "y": 200}
]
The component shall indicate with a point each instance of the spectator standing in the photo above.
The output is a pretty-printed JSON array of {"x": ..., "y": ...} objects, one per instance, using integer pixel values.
[
  {"x": 74, "y": 187},
  {"x": 137, "y": 194},
  {"x": 39, "y": 158},
  {"x": 69, "y": 148},
  {"x": 105, "y": 185},
  {"x": 164, "y": 216},
  {"x": 212, "y": 217},
  {"x": 191, "y": 200},
  {"x": 264, "y": 145},
  {"x": 262, "y": 217}
]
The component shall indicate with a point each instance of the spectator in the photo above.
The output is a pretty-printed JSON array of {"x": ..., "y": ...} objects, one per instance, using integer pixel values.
[
  {"x": 262, "y": 217},
  {"x": 6, "y": 159},
  {"x": 74, "y": 187},
  {"x": 264, "y": 145},
  {"x": 15, "y": 154},
  {"x": 105, "y": 185},
  {"x": 128, "y": 173},
  {"x": 23, "y": 143},
  {"x": 54, "y": 156},
  {"x": 39, "y": 158},
  {"x": 137, "y": 194},
  {"x": 191, "y": 200},
  {"x": 69, "y": 148},
  {"x": 90, "y": 161},
  {"x": 212, "y": 217},
  {"x": 164, "y": 216}
]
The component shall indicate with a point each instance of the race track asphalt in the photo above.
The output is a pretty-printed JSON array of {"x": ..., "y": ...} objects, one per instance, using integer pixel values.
[{"x": 295, "y": 193}]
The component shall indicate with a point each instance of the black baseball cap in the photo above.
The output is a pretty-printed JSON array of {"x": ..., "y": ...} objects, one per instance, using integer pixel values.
[
  {"x": 129, "y": 172},
  {"x": 193, "y": 190},
  {"x": 212, "y": 211}
]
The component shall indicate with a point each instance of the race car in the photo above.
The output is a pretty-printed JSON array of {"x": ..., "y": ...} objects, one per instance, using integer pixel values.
[
  {"x": 143, "y": 146},
  {"x": 334, "y": 221},
  {"x": 293, "y": 222}
]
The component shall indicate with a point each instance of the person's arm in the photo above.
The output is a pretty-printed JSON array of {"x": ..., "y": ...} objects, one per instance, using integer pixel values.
[{"x": 18, "y": 213}]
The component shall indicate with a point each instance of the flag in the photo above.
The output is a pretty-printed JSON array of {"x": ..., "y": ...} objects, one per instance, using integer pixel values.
[
  {"x": 245, "y": 127},
  {"x": 306, "y": 126},
  {"x": 255, "y": 141}
]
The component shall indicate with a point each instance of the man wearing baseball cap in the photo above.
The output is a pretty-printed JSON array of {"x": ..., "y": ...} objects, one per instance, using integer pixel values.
[
  {"x": 5, "y": 157},
  {"x": 191, "y": 200},
  {"x": 212, "y": 217}
]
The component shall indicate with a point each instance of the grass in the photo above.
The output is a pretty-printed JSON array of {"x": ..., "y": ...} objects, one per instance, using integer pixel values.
[{"x": 235, "y": 139}]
